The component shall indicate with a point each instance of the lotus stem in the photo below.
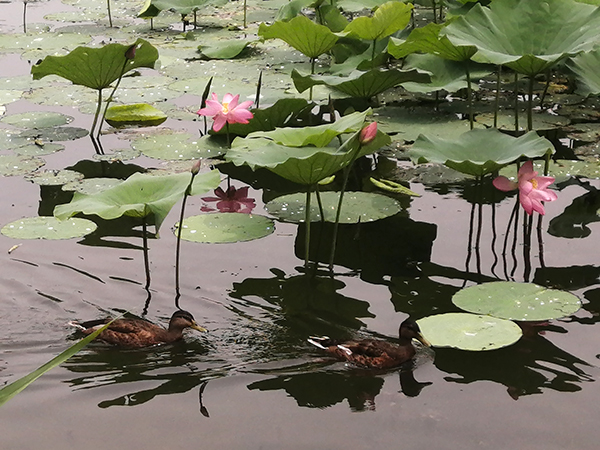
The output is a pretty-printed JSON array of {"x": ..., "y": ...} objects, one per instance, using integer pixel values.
[
  {"x": 110, "y": 97},
  {"x": 530, "y": 105},
  {"x": 373, "y": 54},
  {"x": 24, "y": 17},
  {"x": 146, "y": 258},
  {"x": 516, "y": 101},
  {"x": 307, "y": 222},
  {"x": 109, "y": 14},
  {"x": 258, "y": 88},
  {"x": 320, "y": 203},
  {"x": 97, "y": 114},
  {"x": 187, "y": 193},
  {"x": 245, "y": 13},
  {"x": 469, "y": 95},
  {"x": 312, "y": 72},
  {"x": 497, "y": 102},
  {"x": 228, "y": 137}
]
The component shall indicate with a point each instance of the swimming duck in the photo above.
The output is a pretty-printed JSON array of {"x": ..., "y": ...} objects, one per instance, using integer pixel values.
[
  {"x": 375, "y": 353},
  {"x": 137, "y": 333}
]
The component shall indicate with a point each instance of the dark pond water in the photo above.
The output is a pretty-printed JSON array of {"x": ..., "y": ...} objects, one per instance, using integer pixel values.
[{"x": 253, "y": 382}]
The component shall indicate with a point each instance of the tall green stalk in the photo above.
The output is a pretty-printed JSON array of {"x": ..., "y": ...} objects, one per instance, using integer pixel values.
[
  {"x": 186, "y": 194},
  {"x": 307, "y": 222},
  {"x": 146, "y": 257}
]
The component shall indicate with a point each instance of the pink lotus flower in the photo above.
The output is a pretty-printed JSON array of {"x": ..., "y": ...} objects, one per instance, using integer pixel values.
[
  {"x": 368, "y": 133},
  {"x": 228, "y": 112},
  {"x": 533, "y": 190},
  {"x": 232, "y": 200}
]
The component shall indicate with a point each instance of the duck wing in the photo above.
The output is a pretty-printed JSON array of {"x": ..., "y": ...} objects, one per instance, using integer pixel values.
[{"x": 374, "y": 353}]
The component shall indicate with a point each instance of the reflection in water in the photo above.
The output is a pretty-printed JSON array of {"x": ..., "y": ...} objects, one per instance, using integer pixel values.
[
  {"x": 174, "y": 368},
  {"x": 527, "y": 367}
]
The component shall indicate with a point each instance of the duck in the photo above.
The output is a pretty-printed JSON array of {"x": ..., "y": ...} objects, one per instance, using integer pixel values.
[
  {"x": 139, "y": 333},
  {"x": 375, "y": 353}
]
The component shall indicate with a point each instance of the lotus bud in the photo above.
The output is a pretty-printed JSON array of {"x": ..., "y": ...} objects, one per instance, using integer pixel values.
[
  {"x": 368, "y": 133},
  {"x": 196, "y": 167},
  {"x": 130, "y": 52}
]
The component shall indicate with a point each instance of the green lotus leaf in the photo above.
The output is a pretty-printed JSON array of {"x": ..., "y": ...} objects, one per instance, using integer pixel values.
[
  {"x": 96, "y": 68},
  {"x": 318, "y": 136},
  {"x": 516, "y": 301},
  {"x": 148, "y": 10},
  {"x": 91, "y": 185},
  {"x": 225, "y": 49},
  {"x": 216, "y": 228},
  {"x": 388, "y": 18},
  {"x": 48, "y": 228},
  {"x": 585, "y": 66},
  {"x": 446, "y": 75},
  {"x": 303, "y": 165},
  {"x": 140, "y": 114},
  {"x": 469, "y": 331},
  {"x": 19, "y": 165},
  {"x": 39, "y": 149},
  {"x": 393, "y": 187},
  {"x": 54, "y": 177},
  {"x": 529, "y": 37},
  {"x": 356, "y": 207},
  {"x": 428, "y": 40},
  {"x": 178, "y": 145},
  {"x": 301, "y": 33},
  {"x": 54, "y": 134},
  {"x": 360, "y": 84},
  {"x": 139, "y": 196},
  {"x": 478, "y": 152},
  {"x": 37, "y": 119}
]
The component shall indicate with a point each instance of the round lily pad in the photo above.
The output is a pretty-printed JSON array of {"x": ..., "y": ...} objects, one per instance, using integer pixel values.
[
  {"x": 55, "y": 134},
  {"x": 225, "y": 227},
  {"x": 54, "y": 177},
  {"x": 9, "y": 140},
  {"x": 172, "y": 145},
  {"x": 469, "y": 331},
  {"x": 48, "y": 228},
  {"x": 39, "y": 149},
  {"x": 517, "y": 301},
  {"x": 37, "y": 119},
  {"x": 356, "y": 206},
  {"x": 140, "y": 114},
  {"x": 19, "y": 165},
  {"x": 118, "y": 155},
  {"x": 91, "y": 186}
]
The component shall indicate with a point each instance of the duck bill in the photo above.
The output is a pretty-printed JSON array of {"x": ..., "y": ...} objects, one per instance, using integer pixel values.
[
  {"x": 423, "y": 341},
  {"x": 197, "y": 327}
]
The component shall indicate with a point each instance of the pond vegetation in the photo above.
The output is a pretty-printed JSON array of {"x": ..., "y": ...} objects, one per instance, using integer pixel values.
[{"x": 351, "y": 120}]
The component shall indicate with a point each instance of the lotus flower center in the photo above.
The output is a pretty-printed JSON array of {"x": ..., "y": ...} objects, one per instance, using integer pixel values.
[
  {"x": 534, "y": 183},
  {"x": 225, "y": 107}
]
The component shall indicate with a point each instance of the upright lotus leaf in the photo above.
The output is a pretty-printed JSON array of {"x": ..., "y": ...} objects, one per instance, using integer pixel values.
[
  {"x": 139, "y": 196},
  {"x": 388, "y": 18},
  {"x": 517, "y": 301},
  {"x": 96, "y": 68},
  {"x": 303, "y": 34},
  {"x": 318, "y": 136},
  {"x": 360, "y": 84},
  {"x": 527, "y": 36},
  {"x": 302, "y": 165},
  {"x": 428, "y": 40},
  {"x": 478, "y": 152},
  {"x": 585, "y": 66}
]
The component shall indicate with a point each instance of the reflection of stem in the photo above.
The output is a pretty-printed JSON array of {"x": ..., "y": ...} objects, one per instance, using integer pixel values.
[
  {"x": 320, "y": 202},
  {"x": 540, "y": 241},
  {"x": 186, "y": 194},
  {"x": 470, "y": 95},
  {"x": 307, "y": 222},
  {"x": 494, "y": 238},
  {"x": 470, "y": 241},
  {"x": 479, "y": 226},
  {"x": 147, "y": 304},
  {"x": 497, "y": 103},
  {"x": 530, "y": 105},
  {"x": 109, "y": 14},
  {"x": 513, "y": 216},
  {"x": 258, "y": 88},
  {"x": 513, "y": 250},
  {"x": 527, "y": 227},
  {"x": 146, "y": 258}
]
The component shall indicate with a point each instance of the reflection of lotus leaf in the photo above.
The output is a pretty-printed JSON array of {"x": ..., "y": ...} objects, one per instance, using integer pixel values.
[
  {"x": 516, "y": 301},
  {"x": 469, "y": 331}
]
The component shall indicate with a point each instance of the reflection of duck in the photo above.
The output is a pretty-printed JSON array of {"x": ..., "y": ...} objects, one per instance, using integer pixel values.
[
  {"x": 375, "y": 353},
  {"x": 137, "y": 333}
]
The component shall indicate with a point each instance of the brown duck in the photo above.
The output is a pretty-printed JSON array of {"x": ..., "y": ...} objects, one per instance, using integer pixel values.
[
  {"x": 375, "y": 353},
  {"x": 138, "y": 333}
]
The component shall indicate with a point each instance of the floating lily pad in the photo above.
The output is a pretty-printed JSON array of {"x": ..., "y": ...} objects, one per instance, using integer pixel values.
[
  {"x": 54, "y": 177},
  {"x": 55, "y": 134},
  {"x": 19, "y": 165},
  {"x": 91, "y": 185},
  {"x": 37, "y": 119},
  {"x": 140, "y": 114},
  {"x": 48, "y": 228},
  {"x": 516, "y": 301},
  {"x": 9, "y": 140},
  {"x": 119, "y": 155},
  {"x": 226, "y": 227},
  {"x": 178, "y": 145},
  {"x": 356, "y": 207},
  {"x": 39, "y": 149},
  {"x": 469, "y": 331}
]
